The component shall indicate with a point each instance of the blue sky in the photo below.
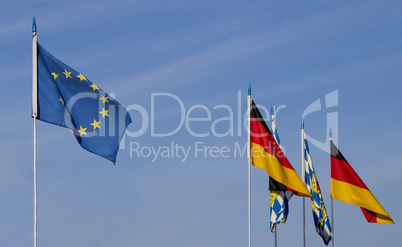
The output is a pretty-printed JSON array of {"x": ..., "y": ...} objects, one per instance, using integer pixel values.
[{"x": 204, "y": 53}]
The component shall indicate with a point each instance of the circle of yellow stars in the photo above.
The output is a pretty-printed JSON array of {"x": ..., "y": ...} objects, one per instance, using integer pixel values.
[{"x": 105, "y": 113}]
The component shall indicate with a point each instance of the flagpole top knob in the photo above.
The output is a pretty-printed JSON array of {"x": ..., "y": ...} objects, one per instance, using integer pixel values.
[
  {"x": 302, "y": 124},
  {"x": 272, "y": 109},
  {"x": 249, "y": 89},
  {"x": 330, "y": 133},
  {"x": 34, "y": 25}
]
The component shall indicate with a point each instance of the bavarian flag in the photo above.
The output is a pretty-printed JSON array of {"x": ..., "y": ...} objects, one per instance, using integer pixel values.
[
  {"x": 266, "y": 154},
  {"x": 346, "y": 186}
]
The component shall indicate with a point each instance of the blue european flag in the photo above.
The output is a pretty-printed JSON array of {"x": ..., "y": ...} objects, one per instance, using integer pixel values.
[{"x": 67, "y": 98}]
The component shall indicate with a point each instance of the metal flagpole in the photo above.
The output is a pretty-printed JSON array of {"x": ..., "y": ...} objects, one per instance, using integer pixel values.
[
  {"x": 332, "y": 218},
  {"x": 273, "y": 123},
  {"x": 332, "y": 199},
  {"x": 303, "y": 177},
  {"x": 249, "y": 163},
  {"x": 34, "y": 115}
]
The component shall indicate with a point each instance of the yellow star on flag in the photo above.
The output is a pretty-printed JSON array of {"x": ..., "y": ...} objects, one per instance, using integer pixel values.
[
  {"x": 82, "y": 131},
  {"x": 104, "y": 99},
  {"x": 62, "y": 101},
  {"x": 81, "y": 77},
  {"x": 68, "y": 74},
  {"x": 94, "y": 87},
  {"x": 95, "y": 124},
  {"x": 55, "y": 75},
  {"x": 104, "y": 112}
]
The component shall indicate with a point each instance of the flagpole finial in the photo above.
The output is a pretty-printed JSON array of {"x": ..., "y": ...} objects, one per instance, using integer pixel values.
[
  {"x": 272, "y": 109},
  {"x": 249, "y": 89},
  {"x": 34, "y": 25},
  {"x": 330, "y": 133},
  {"x": 302, "y": 124}
]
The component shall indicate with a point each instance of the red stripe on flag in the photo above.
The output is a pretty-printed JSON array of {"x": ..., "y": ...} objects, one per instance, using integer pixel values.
[
  {"x": 342, "y": 171},
  {"x": 265, "y": 139},
  {"x": 370, "y": 216}
]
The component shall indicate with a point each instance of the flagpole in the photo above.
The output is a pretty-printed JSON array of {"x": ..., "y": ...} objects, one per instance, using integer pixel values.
[
  {"x": 332, "y": 200},
  {"x": 249, "y": 163},
  {"x": 303, "y": 177},
  {"x": 332, "y": 218},
  {"x": 275, "y": 227},
  {"x": 273, "y": 124},
  {"x": 34, "y": 115}
]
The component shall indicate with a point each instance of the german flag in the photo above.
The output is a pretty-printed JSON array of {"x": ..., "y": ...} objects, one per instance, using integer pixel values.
[
  {"x": 346, "y": 186},
  {"x": 266, "y": 154}
]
